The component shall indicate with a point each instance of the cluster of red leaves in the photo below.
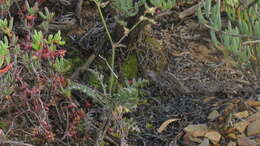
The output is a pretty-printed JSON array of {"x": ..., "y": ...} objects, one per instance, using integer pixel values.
[
  {"x": 2, "y": 2},
  {"x": 75, "y": 121},
  {"x": 46, "y": 53},
  {"x": 30, "y": 17},
  {"x": 59, "y": 81},
  {"x": 6, "y": 69},
  {"x": 31, "y": 96},
  {"x": 46, "y": 134},
  {"x": 41, "y": 1}
]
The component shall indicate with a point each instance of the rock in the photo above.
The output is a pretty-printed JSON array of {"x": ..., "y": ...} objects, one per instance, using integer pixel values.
[{"x": 253, "y": 128}]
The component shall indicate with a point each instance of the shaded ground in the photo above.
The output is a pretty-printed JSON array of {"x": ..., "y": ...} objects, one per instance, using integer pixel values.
[{"x": 201, "y": 68}]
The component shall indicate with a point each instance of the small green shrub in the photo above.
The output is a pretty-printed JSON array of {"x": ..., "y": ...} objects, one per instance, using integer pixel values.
[
  {"x": 238, "y": 39},
  {"x": 131, "y": 7}
]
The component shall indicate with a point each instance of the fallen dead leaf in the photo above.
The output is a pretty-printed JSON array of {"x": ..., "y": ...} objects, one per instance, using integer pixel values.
[
  {"x": 254, "y": 128},
  {"x": 245, "y": 141},
  {"x": 232, "y": 136},
  {"x": 235, "y": 101},
  {"x": 257, "y": 140},
  {"x": 213, "y": 136},
  {"x": 165, "y": 124},
  {"x": 241, "y": 126},
  {"x": 187, "y": 141},
  {"x": 253, "y": 103},
  {"x": 208, "y": 99},
  {"x": 231, "y": 143},
  {"x": 229, "y": 108},
  {"x": 213, "y": 115},
  {"x": 195, "y": 139},
  {"x": 202, "y": 52},
  {"x": 253, "y": 117},
  {"x": 230, "y": 130},
  {"x": 258, "y": 108},
  {"x": 241, "y": 115},
  {"x": 196, "y": 130}
]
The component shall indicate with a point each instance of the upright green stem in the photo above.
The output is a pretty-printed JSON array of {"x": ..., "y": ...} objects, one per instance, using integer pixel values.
[{"x": 112, "y": 44}]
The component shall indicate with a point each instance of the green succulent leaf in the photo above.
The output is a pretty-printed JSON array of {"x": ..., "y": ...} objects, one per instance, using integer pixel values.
[
  {"x": 38, "y": 40},
  {"x": 47, "y": 15},
  {"x": 61, "y": 65},
  {"x": 4, "y": 52},
  {"x": 207, "y": 6},
  {"x": 163, "y": 4},
  {"x": 201, "y": 18}
]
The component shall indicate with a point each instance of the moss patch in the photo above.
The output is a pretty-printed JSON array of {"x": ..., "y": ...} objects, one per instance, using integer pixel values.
[{"x": 130, "y": 67}]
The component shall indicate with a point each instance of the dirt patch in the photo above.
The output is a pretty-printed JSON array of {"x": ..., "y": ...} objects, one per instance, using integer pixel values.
[{"x": 200, "y": 67}]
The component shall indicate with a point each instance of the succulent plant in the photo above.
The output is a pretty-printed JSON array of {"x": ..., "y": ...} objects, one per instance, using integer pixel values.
[{"x": 239, "y": 39}]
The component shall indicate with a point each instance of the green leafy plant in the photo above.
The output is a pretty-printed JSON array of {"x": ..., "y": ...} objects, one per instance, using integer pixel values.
[
  {"x": 6, "y": 26},
  {"x": 4, "y": 52},
  {"x": 239, "y": 38},
  {"x": 32, "y": 67},
  {"x": 54, "y": 40},
  {"x": 38, "y": 41},
  {"x": 47, "y": 17},
  {"x": 163, "y": 4},
  {"x": 131, "y": 8},
  {"x": 128, "y": 7},
  {"x": 127, "y": 96},
  {"x": 61, "y": 65},
  {"x": 32, "y": 10},
  {"x": 5, "y": 4}
]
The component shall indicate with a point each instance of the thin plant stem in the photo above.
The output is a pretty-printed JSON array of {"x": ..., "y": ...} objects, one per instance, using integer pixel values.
[
  {"x": 126, "y": 34},
  {"x": 112, "y": 44}
]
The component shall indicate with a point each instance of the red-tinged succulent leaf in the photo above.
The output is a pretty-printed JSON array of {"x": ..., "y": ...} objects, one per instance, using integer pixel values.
[{"x": 6, "y": 69}]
